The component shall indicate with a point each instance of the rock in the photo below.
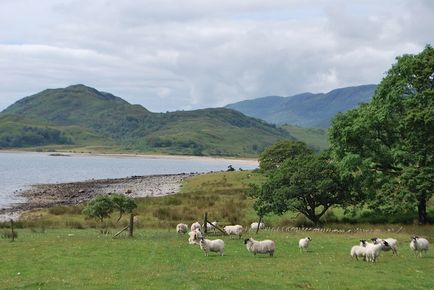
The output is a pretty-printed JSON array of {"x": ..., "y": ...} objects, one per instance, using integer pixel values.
[{"x": 81, "y": 191}]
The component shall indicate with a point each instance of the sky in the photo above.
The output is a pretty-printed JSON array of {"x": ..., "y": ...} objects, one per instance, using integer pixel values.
[{"x": 188, "y": 54}]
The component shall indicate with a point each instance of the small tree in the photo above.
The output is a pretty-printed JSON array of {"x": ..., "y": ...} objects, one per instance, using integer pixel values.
[
  {"x": 307, "y": 184},
  {"x": 100, "y": 208},
  {"x": 123, "y": 204}
]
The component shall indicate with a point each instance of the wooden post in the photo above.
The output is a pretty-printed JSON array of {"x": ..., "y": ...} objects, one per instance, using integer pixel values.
[
  {"x": 205, "y": 222},
  {"x": 259, "y": 224},
  {"x": 131, "y": 226},
  {"x": 12, "y": 230}
]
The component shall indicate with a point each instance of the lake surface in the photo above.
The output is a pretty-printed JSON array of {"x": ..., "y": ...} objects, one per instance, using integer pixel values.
[{"x": 19, "y": 171}]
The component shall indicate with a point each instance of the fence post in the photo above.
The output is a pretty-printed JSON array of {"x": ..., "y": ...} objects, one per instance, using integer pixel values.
[
  {"x": 131, "y": 226},
  {"x": 205, "y": 222},
  {"x": 259, "y": 224},
  {"x": 12, "y": 230}
]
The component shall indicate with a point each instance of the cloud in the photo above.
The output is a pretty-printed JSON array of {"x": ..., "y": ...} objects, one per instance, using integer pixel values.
[{"x": 169, "y": 55}]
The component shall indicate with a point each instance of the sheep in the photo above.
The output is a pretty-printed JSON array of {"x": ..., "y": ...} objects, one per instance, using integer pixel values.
[
  {"x": 195, "y": 226},
  {"x": 419, "y": 245},
  {"x": 194, "y": 237},
  {"x": 373, "y": 251},
  {"x": 358, "y": 252},
  {"x": 212, "y": 246},
  {"x": 210, "y": 227},
  {"x": 303, "y": 244},
  {"x": 181, "y": 228},
  {"x": 254, "y": 226},
  {"x": 393, "y": 245},
  {"x": 234, "y": 230},
  {"x": 260, "y": 247}
]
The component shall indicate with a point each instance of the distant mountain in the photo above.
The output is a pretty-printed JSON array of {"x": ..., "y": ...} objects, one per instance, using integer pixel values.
[
  {"x": 307, "y": 109},
  {"x": 80, "y": 116}
]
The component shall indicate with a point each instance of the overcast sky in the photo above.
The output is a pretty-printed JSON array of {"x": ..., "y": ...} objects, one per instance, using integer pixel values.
[{"x": 186, "y": 54}]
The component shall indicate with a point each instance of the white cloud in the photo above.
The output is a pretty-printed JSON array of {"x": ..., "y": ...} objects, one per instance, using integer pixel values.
[{"x": 169, "y": 55}]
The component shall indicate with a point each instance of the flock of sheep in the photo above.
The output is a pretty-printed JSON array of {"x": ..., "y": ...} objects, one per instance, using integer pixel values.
[
  {"x": 218, "y": 245},
  {"x": 368, "y": 251}
]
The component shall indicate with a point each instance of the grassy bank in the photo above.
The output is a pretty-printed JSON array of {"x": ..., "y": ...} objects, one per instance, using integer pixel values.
[{"x": 162, "y": 259}]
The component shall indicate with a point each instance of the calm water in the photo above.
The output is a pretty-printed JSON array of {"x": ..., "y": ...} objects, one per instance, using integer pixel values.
[{"x": 20, "y": 170}]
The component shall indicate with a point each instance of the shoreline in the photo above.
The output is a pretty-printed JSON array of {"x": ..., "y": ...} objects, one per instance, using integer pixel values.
[
  {"x": 250, "y": 161},
  {"x": 41, "y": 196}
]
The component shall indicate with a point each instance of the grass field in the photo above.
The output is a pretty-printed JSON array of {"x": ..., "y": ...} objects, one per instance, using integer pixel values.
[{"x": 162, "y": 259}]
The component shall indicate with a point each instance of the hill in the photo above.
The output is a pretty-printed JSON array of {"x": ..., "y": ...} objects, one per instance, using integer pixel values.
[
  {"x": 79, "y": 116},
  {"x": 314, "y": 137},
  {"x": 307, "y": 109}
]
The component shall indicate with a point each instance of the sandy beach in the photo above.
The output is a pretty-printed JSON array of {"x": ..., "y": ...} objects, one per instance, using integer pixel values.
[{"x": 48, "y": 195}]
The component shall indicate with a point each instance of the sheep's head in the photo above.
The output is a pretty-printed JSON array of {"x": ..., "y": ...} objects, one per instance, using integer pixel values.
[
  {"x": 386, "y": 243},
  {"x": 309, "y": 238},
  {"x": 363, "y": 242},
  {"x": 246, "y": 241}
]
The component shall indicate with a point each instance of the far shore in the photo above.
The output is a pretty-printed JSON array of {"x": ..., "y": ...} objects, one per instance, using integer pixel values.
[{"x": 248, "y": 161}]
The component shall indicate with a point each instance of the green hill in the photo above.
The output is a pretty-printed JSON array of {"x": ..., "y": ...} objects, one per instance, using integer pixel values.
[
  {"x": 314, "y": 137},
  {"x": 79, "y": 116},
  {"x": 307, "y": 109}
]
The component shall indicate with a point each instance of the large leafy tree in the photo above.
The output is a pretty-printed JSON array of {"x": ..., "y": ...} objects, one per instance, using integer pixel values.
[
  {"x": 272, "y": 157},
  {"x": 308, "y": 184},
  {"x": 390, "y": 140}
]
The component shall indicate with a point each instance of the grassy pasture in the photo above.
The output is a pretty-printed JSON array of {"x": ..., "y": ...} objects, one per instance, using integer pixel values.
[{"x": 162, "y": 259}]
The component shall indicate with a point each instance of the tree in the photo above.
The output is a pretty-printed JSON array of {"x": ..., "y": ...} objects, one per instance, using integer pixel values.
[
  {"x": 272, "y": 157},
  {"x": 99, "y": 208},
  {"x": 393, "y": 137},
  {"x": 308, "y": 184},
  {"x": 124, "y": 204}
]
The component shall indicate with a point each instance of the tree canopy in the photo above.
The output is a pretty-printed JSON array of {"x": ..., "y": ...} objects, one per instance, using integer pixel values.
[
  {"x": 308, "y": 184},
  {"x": 390, "y": 140}
]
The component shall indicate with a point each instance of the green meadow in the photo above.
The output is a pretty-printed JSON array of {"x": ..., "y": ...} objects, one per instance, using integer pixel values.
[{"x": 58, "y": 248}]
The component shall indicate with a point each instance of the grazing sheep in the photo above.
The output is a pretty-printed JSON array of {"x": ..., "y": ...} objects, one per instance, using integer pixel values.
[
  {"x": 303, "y": 244},
  {"x": 194, "y": 237},
  {"x": 393, "y": 245},
  {"x": 358, "y": 252},
  {"x": 181, "y": 228},
  {"x": 260, "y": 247},
  {"x": 212, "y": 246},
  {"x": 373, "y": 251},
  {"x": 195, "y": 226},
  {"x": 254, "y": 226},
  {"x": 236, "y": 230},
  {"x": 419, "y": 245}
]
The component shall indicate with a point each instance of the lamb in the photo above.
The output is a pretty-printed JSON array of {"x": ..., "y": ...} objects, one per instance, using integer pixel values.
[
  {"x": 234, "y": 230},
  {"x": 303, "y": 244},
  {"x": 181, "y": 228},
  {"x": 195, "y": 226},
  {"x": 254, "y": 226},
  {"x": 393, "y": 244},
  {"x": 194, "y": 237},
  {"x": 260, "y": 247},
  {"x": 358, "y": 252},
  {"x": 373, "y": 251},
  {"x": 419, "y": 245},
  {"x": 212, "y": 246}
]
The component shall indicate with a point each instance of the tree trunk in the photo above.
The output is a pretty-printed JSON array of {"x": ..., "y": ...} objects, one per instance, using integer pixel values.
[{"x": 421, "y": 209}]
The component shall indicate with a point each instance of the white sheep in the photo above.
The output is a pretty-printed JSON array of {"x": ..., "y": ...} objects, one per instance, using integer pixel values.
[
  {"x": 373, "y": 251},
  {"x": 254, "y": 226},
  {"x": 260, "y": 247},
  {"x": 393, "y": 245},
  {"x": 195, "y": 226},
  {"x": 419, "y": 245},
  {"x": 234, "y": 230},
  {"x": 194, "y": 237},
  {"x": 181, "y": 228},
  {"x": 212, "y": 246},
  {"x": 303, "y": 244},
  {"x": 358, "y": 252}
]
